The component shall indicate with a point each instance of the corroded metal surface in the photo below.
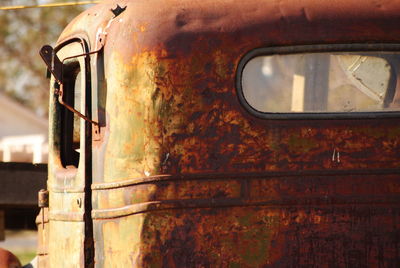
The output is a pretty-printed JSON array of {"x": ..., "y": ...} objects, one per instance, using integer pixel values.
[
  {"x": 184, "y": 176},
  {"x": 42, "y": 222},
  {"x": 43, "y": 198},
  {"x": 251, "y": 221},
  {"x": 64, "y": 236}
]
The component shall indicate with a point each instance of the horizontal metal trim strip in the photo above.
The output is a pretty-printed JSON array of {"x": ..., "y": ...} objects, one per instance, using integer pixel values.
[
  {"x": 239, "y": 176},
  {"x": 66, "y": 216},
  {"x": 57, "y": 189},
  {"x": 235, "y": 202},
  {"x": 130, "y": 182}
]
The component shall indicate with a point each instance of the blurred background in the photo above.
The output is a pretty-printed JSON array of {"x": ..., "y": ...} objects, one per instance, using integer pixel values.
[{"x": 25, "y": 26}]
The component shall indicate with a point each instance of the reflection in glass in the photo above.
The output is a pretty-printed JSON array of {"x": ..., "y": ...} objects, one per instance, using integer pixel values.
[{"x": 77, "y": 106}]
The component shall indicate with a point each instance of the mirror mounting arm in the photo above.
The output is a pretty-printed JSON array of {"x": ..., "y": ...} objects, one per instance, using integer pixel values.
[
  {"x": 61, "y": 101},
  {"x": 55, "y": 66}
]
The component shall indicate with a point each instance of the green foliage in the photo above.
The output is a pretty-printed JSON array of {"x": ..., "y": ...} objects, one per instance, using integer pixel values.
[
  {"x": 22, "y": 34},
  {"x": 25, "y": 257}
]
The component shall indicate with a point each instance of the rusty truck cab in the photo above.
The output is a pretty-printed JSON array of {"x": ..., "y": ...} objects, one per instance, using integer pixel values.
[{"x": 225, "y": 134}]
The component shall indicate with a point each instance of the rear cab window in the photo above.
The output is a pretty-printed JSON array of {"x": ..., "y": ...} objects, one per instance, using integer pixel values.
[{"x": 320, "y": 84}]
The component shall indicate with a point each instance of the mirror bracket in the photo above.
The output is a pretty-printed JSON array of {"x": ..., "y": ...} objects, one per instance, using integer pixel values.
[
  {"x": 53, "y": 63},
  {"x": 55, "y": 67}
]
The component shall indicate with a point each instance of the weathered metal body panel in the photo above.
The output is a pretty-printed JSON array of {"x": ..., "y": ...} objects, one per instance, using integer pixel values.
[
  {"x": 64, "y": 224},
  {"x": 184, "y": 176}
]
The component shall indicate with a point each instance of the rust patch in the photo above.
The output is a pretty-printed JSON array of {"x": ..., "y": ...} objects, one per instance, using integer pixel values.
[{"x": 170, "y": 107}]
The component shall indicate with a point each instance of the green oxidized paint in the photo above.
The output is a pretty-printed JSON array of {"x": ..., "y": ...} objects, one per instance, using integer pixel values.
[
  {"x": 299, "y": 144},
  {"x": 260, "y": 238},
  {"x": 234, "y": 265}
]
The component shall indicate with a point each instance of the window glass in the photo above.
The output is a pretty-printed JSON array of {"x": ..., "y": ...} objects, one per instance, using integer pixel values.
[
  {"x": 322, "y": 82},
  {"x": 77, "y": 106}
]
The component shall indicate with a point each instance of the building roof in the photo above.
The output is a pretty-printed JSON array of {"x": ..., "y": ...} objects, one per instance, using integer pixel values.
[{"x": 15, "y": 119}]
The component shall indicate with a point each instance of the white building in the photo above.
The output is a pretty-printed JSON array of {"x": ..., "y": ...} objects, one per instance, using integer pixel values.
[{"x": 23, "y": 134}]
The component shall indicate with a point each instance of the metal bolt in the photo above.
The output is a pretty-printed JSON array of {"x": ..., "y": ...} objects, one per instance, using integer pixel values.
[{"x": 43, "y": 198}]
